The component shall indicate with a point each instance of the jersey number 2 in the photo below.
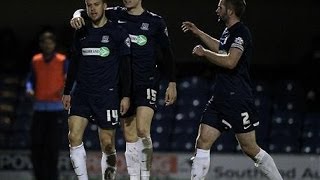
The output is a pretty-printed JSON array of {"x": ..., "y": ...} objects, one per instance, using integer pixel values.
[{"x": 245, "y": 119}]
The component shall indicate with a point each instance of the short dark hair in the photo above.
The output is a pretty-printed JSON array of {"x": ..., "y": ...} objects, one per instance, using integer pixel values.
[
  {"x": 47, "y": 32},
  {"x": 239, "y": 6},
  {"x": 104, "y": 1}
]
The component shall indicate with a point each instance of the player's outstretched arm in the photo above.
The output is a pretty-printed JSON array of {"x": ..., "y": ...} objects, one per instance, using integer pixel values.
[{"x": 212, "y": 43}]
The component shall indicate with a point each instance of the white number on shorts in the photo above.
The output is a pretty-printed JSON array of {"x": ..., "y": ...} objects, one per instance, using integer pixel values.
[
  {"x": 112, "y": 114},
  {"x": 151, "y": 94},
  {"x": 245, "y": 119}
]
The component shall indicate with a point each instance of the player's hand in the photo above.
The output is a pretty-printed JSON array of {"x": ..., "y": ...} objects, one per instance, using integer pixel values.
[
  {"x": 171, "y": 94},
  {"x": 30, "y": 92},
  {"x": 189, "y": 26},
  {"x": 77, "y": 22},
  {"x": 198, "y": 50},
  {"x": 124, "y": 105},
  {"x": 66, "y": 101}
]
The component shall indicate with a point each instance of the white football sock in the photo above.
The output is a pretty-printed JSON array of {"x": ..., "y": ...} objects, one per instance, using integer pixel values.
[
  {"x": 108, "y": 165},
  {"x": 265, "y": 163},
  {"x": 78, "y": 160},
  {"x": 145, "y": 156},
  {"x": 200, "y": 164},
  {"x": 132, "y": 160}
]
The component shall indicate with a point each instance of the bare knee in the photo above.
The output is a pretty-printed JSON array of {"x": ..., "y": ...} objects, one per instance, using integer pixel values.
[
  {"x": 143, "y": 132},
  {"x": 129, "y": 129},
  {"x": 75, "y": 139},
  {"x": 107, "y": 146},
  {"x": 203, "y": 143},
  {"x": 130, "y": 135},
  {"x": 207, "y": 136}
]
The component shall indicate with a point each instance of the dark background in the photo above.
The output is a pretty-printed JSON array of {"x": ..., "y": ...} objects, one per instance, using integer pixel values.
[{"x": 283, "y": 31}]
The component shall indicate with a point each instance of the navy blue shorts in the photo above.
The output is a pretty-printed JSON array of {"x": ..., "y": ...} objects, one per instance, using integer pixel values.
[
  {"x": 239, "y": 115},
  {"x": 143, "y": 96},
  {"x": 102, "y": 110}
]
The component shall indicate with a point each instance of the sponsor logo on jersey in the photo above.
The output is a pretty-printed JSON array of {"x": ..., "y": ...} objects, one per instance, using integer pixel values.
[
  {"x": 102, "y": 52},
  {"x": 145, "y": 26},
  {"x": 105, "y": 39},
  {"x": 141, "y": 40}
]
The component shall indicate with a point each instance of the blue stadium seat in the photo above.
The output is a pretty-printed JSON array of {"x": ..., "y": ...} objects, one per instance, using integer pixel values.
[
  {"x": 262, "y": 88},
  {"x": 226, "y": 143},
  {"x": 183, "y": 142},
  {"x": 289, "y": 96},
  {"x": 120, "y": 141},
  {"x": 161, "y": 129},
  {"x": 91, "y": 137},
  {"x": 289, "y": 88},
  {"x": 311, "y": 133},
  {"x": 284, "y": 147},
  {"x": 311, "y": 120},
  {"x": 290, "y": 121},
  {"x": 192, "y": 85},
  {"x": 285, "y": 132},
  {"x": 19, "y": 140}
]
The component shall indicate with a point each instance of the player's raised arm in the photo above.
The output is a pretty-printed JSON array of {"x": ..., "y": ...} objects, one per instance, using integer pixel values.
[
  {"x": 78, "y": 19},
  {"x": 210, "y": 42}
]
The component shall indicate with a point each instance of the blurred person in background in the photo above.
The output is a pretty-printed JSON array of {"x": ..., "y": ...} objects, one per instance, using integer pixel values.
[{"x": 45, "y": 84}]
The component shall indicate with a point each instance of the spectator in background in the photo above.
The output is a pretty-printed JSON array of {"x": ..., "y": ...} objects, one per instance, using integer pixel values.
[{"x": 45, "y": 83}]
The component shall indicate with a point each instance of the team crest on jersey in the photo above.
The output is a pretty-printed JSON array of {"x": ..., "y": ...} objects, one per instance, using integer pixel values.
[
  {"x": 105, "y": 39},
  {"x": 145, "y": 26},
  {"x": 127, "y": 42},
  {"x": 239, "y": 40}
]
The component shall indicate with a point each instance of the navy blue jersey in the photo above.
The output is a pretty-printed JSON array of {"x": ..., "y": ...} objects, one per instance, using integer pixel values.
[
  {"x": 147, "y": 32},
  {"x": 235, "y": 83},
  {"x": 98, "y": 52}
]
